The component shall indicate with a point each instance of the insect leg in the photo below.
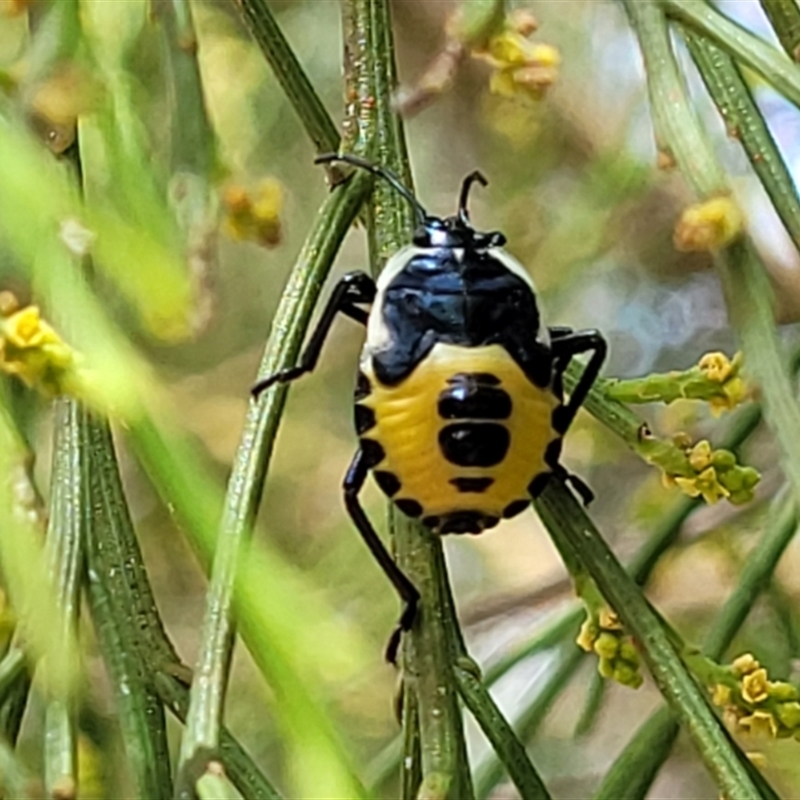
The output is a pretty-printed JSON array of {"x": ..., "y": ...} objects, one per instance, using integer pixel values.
[
  {"x": 353, "y": 288},
  {"x": 566, "y": 345},
  {"x": 354, "y": 480}
]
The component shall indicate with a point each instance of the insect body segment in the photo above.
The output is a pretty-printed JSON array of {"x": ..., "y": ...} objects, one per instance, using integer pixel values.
[
  {"x": 461, "y": 438},
  {"x": 459, "y": 403}
]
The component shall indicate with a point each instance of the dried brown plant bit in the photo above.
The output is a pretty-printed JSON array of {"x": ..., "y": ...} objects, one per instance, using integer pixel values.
[{"x": 253, "y": 214}]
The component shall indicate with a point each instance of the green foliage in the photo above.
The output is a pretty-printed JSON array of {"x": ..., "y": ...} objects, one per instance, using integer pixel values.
[{"x": 130, "y": 136}]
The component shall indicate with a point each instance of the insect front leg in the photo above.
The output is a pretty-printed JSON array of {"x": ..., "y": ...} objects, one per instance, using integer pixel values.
[
  {"x": 353, "y": 289},
  {"x": 565, "y": 345},
  {"x": 353, "y": 482}
]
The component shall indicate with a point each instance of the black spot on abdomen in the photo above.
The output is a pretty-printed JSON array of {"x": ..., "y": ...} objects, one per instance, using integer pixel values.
[
  {"x": 467, "y": 522},
  {"x": 472, "y": 484},
  {"x": 474, "y": 396},
  {"x": 388, "y": 481},
  {"x": 474, "y": 444},
  {"x": 373, "y": 452},
  {"x": 411, "y": 508},
  {"x": 365, "y": 418}
]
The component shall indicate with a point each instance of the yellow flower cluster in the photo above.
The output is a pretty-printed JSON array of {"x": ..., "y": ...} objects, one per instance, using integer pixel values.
[
  {"x": 520, "y": 66},
  {"x": 33, "y": 351},
  {"x": 717, "y": 475},
  {"x": 718, "y": 368},
  {"x": 254, "y": 215},
  {"x": 709, "y": 226},
  {"x": 619, "y": 660},
  {"x": 715, "y": 379},
  {"x": 756, "y": 704}
]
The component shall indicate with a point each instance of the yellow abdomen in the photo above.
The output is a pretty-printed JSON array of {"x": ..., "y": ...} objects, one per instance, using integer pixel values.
[{"x": 461, "y": 438}]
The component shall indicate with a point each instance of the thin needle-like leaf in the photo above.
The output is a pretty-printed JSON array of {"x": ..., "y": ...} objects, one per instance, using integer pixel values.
[
  {"x": 204, "y": 719},
  {"x": 141, "y": 712},
  {"x": 294, "y": 81},
  {"x": 769, "y": 62},
  {"x": 65, "y": 556},
  {"x": 567, "y": 521}
]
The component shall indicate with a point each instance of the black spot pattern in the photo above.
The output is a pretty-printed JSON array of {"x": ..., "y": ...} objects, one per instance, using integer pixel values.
[
  {"x": 387, "y": 481},
  {"x": 537, "y": 485},
  {"x": 476, "y": 485},
  {"x": 431, "y": 521},
  {"x": 467, "y": 522},
  {"x": 474, "y": 444},
  {"x": 553, "y": 453},
  {"x": 373, "y": 452},
  {"x": 485, "y": 378},
  {"x": 469, "y": 399},
  {"x": 515, "y": 507},
  {"x": 411, "y": 508},
  {"x": 365, "y": 418}
]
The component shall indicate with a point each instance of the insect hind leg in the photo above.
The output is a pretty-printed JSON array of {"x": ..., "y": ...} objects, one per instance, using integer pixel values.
[
  {"x": 560, "y": 472},
  {"x": 353, "y": 482}
]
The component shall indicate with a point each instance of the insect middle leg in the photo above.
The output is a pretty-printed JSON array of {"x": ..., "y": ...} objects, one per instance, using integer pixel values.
[
  {"x": 353, "y": 482},
  {"x": 353, "y": 289},
  {"x": 565, "y": 344}
]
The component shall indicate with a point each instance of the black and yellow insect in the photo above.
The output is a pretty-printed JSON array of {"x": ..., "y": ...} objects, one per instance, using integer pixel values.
[{"x": 459, "y": 404}]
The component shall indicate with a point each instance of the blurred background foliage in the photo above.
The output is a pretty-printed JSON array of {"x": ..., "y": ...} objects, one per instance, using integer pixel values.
[{"x": 177, "y": 331}]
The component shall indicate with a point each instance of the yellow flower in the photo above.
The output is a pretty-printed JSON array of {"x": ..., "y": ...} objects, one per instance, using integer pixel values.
[
  {"x": 520, "y": 66},
  {"x": 721, "y": 695},
  {"x": 705, "y": 484},
  {"x": 760, "y": 723},
  {"x": 700, "y": 455},
  {"x": 745, "y": 664},
  {"x": 717, "y": 367},
  {"x": 609, "y": 620},
  {"x": 33, "y": 351},
  {"x": 708, "y": 226},
  {"x": 754, "y": 686}
]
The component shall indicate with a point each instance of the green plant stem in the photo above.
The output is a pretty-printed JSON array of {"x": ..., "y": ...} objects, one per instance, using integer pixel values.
[
  {"x": 372, "y": 129},
  {"x": 756, "y": 576},
  {"x": 65, "y": 557},
  {"x": 595, "y": 694},
  {"x": 634, "y": 770},
  {"x": 638, "y": 764},
  {"x": 566, "y": 520},
  {"x": 216, "y": 786},
  {"x": 192, "y": 137},
  {"x": 141, "y": 713},
  {"x": 304, "y": 99},
  {"x": 747, "y": 289},
  {"x": 489, "y": 773},
  {"x": 15, "y": 779},
  {"x": 510, "y": 751},
  {"x": 245, "y": 486},
  {"x": 238, "y": 764},
  {"x": 744, "y": 122},
  {"x": 785, "y": 18},
  {"x": 773, "y": 65}
]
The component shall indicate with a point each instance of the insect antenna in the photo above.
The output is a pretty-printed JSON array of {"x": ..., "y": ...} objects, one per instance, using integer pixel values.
[
  {"x": 463, "y": 214},
  {"x": 381, "y": 172}
]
